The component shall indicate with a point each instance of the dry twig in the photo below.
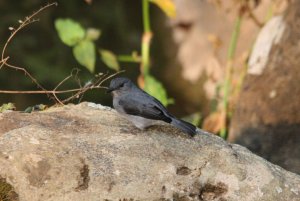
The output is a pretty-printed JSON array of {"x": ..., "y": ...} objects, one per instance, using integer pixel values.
[
  {"x": 23, "y": 23},
  {"x": 96, "y": 84}
]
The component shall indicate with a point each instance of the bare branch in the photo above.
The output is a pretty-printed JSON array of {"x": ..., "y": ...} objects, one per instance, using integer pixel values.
[
  {"x": 27, "y": 74},
  {"x": 48, "y": 92},
  {"x": 113, "y": 75},
  {"x": 28, "y": 20},
  {"x": 95, "y": 85},
  {"x": 23, "y": 23},
  {"x": 53, "y": 94}
]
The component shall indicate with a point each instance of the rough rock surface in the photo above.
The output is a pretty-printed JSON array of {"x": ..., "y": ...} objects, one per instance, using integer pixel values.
[
  {"x": 193, "y": 48},
  {"x": 267, "y": 118},
  {"x": 79, "y": 152}
]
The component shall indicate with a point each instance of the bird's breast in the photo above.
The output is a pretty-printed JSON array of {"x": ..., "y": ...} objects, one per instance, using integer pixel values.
[
  {"x": 117, "y": 105},
  {"x": 140, "y": 122}
]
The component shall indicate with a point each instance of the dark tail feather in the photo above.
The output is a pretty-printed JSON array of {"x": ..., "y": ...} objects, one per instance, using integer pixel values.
[{"x": 184, "y": 126}]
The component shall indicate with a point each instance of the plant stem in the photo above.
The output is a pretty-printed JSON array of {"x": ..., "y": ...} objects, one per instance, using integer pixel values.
[
  {"x": 227, "y": 84},
  {"x": 129, "y": 58},
  {"x": 146, "y": 16},
  {"x": 234, "y": 38},
  {"x": 146, "y": 39}
]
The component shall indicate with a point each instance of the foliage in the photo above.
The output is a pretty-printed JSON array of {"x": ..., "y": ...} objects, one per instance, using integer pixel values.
[
  {"x": 7, "y": 106},
  {"x": 69, "y": 31},
  {"x": 39, "y": 107},
  {"x": 155, "y": 87},
  {"x": 82, "y": 45},
  {"x": 133, "y": 58},
  {"x": 109, "y": 59},
  {"x": 84, "y": 53},
  {"x": 167, "y": 6},
  {"x": 152, "y": 86},
  {"x": 74, "y": 35},
  {"x": 7, "y": 192}
]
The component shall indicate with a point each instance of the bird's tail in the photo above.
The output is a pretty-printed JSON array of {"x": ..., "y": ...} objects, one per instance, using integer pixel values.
[{"x": 184, "y": 126}]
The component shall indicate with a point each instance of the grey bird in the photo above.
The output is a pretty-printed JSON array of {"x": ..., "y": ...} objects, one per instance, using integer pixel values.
[{"x": 142, "y": 109}]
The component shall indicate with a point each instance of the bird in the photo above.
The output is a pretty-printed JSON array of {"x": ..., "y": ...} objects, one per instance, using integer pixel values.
[{"x": 142, "y": 109}]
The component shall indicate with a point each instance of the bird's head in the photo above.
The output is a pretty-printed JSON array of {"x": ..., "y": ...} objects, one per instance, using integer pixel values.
[{"x": 120, "y": 84}]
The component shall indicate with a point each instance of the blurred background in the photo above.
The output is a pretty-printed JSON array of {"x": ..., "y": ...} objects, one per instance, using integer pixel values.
[{"x": 230, "y": 67}]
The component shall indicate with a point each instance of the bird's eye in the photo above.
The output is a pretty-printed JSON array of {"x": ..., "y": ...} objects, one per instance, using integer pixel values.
[{"x": 122, "y": 85}]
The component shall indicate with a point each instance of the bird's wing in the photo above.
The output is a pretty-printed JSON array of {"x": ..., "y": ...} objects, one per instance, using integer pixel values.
[{"x": 144, "y": 105}]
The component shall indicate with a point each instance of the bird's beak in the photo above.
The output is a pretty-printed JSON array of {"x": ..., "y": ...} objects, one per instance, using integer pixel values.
[{"x": 109, "y": 90}]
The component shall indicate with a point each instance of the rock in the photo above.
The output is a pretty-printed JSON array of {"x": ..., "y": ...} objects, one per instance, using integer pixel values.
[
  {"x": 193, "y": 48},
  {"x": 79, "y": 152},
  {"x": 266, "y": 118}
]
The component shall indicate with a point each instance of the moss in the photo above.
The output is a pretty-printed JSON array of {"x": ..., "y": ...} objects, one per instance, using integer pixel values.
[{"x": 7, "y": 192}]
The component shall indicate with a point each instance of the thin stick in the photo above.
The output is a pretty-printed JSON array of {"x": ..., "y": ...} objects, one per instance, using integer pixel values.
[
  {"x": 78, "y": 91},
  {"x": 28, "y": 20},
  {"x": 86, "y": 88},
  {"x": 113, "y": 75},
  {"x": 3, "y": 62},
  {"x": 27, "y": 74},
  {"x": 47, "y": 92}
]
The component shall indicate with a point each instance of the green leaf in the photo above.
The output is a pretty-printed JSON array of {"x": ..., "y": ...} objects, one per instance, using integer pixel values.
[
  {"x": 69, "y": 31},
  {"x": 84, "y": 53},
  {"x": 93, "y": 34},
  {"x": 39, "y": 107},
  {"x": 109, "y": 59},
  {"x": 156, "y": 89},
  {"x": 7, "y": 106},
  {"x": 194, "y": 119},
  {"x": 167, "y": 6}
]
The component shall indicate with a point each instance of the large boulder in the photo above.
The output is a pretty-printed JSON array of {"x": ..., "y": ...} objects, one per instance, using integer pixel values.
[
  {"x": 88, "y": 152},
  {"x": 266, "y": 118}
]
